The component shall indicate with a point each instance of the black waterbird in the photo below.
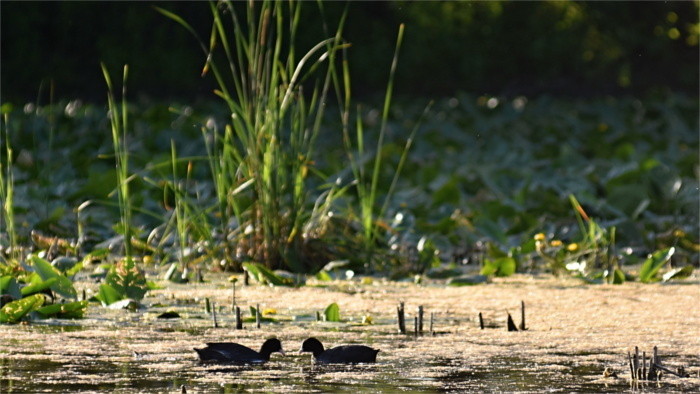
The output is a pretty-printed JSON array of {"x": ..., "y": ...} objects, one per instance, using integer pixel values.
[
  {"x": 228, "y": 352},
  {"x": 345, "y": 354}
]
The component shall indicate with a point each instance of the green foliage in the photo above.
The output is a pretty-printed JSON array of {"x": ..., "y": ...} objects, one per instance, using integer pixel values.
[
  {"x": 59, "y": 283},
  {"x": 124, "y": 281},
  {"x": 504, "y": 266},
  {"x": 263, "y": 275},
  {"x": 14, "y": 311},
  {"x": 332, "y": 313},
  {"x": 70, "y": 310},
  {"x": 652, "y": 265}
]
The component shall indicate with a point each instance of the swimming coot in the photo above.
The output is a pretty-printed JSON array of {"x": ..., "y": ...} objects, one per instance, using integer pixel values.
[
  {"x": 339, "y": 354},
  {"x": 228, "y": 352}
]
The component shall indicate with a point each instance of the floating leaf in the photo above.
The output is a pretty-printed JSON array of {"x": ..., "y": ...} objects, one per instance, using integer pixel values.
[
  {"x": 70, "y": 310},
  {"x": 62, "y": 286},
  {"x": 127, "y": 280},
  {"x": 37, "y": 285},
  {"x": 332, "y": 313},
  {"x": 653, "y": 264},
  {"x": 108, "y": 295},
  {"x": 264, "y": 275},
  {"x": 14, "y": 311},
  {"x": 504, "y": 266},
  {"x": 618, "y": 277},
  {"x": 8, "y": 285}
]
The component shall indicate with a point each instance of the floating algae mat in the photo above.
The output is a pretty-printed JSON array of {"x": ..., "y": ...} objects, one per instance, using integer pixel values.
[{"x": 574, "y": 333}]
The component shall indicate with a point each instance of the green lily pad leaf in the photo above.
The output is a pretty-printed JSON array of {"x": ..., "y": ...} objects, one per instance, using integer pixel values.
[
  {"x": 264, "y": 275},
  {"x": 504, "y": 266},
  {"x": 470, "y": 280},
  {"x": 678, "y": 273},
  {"x": 128, "y": 280},
  {"x": 653, "y": 264},
  {"x": 62, "y": 286},
  {"x": 618, "y": 277},
  {"x": 8, "y": 285},
  {"x": 37, "y": 285},
  {"x": 70, "y": 310},
  {"x": 14, "y": 311},
  {"x": 108, "y": 295},
  {"x": 332, "y": 313}
]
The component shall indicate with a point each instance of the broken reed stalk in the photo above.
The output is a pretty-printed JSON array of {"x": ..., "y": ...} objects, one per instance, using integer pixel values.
[
  {"x": 415, "y": 326},
  {"x": 653, "y": 371},
  {"x": 636, "y": 362},
  {"x": 511, "y": 323},
  {"x": 257, "y": 315},
  {"x": 213, "y": 314},
  {"x": 629, "y": 358},
  {"x": 401, "y": 318},
  {"x": 522, "y": 316},
  {"x": 239, "y": 321},
  {"x": 644, "y": 365},
  {"x": 432, "y": 319},
  {"x": 420, "y": 320},
  {"x": 233, "y": 297},
  {"x": 207, "y": 306},
  {"x": 318, "y": 316},
  {"x": 481, "y": 321}
]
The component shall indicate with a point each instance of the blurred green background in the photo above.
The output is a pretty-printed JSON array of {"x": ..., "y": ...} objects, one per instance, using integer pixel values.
[{"x": 554, "y": 47}]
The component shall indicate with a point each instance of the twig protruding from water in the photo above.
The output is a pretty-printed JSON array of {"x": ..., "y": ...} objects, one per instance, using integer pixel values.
[
  {"x": 522, "y": 316},
  {"x": 401, "y": 318},
  {"x": 420, "y": 320},
  {"x": 239, "y": 321},
  {"x": 511, "y": 323},
  {"x": 257, "y": 315}
]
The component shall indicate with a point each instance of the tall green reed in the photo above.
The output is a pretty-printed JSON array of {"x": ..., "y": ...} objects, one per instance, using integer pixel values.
[
  {"x": 7, "y": 189},
  {"x": 262, "y": 162},
  {"x": 367, "y": 185},
  {"x": 118, "y": 121}
]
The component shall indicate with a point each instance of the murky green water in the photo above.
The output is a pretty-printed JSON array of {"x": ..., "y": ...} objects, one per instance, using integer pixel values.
[{"x": 401, "y": 367}]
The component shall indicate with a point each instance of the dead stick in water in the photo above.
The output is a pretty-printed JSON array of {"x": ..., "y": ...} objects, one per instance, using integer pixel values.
[
  {"x": 420, "y": 320},
  {"x": 511, "y": 323},
  {"x": 415, "y": 326},
  {"x": 207, "y": 306},
  {"x": 233, "y": 296},
  {"x": 481, "y": 321},
  {"x": 257, "y": 315},
  {"x": 522, "y": 316},
  {"x": 661, "y": 367},
  {"x": 401, "y": 318},
  {"x": 636, "y": 362},
  {"x": 213, "y": 313},
  {"x": 432, "y": 319},
  {"x": 629, "y": 357},
  {"x": 239, "y": 321},
  {"x": 644, "y": 365}
]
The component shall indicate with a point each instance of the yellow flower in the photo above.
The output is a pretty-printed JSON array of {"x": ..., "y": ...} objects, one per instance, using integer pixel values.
[
  {"x": 540, "y": 237},
  {"x": 269, "y": 311},
  {"x": 555, "y": 243},
  {"x": 572, "y": 247}
]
